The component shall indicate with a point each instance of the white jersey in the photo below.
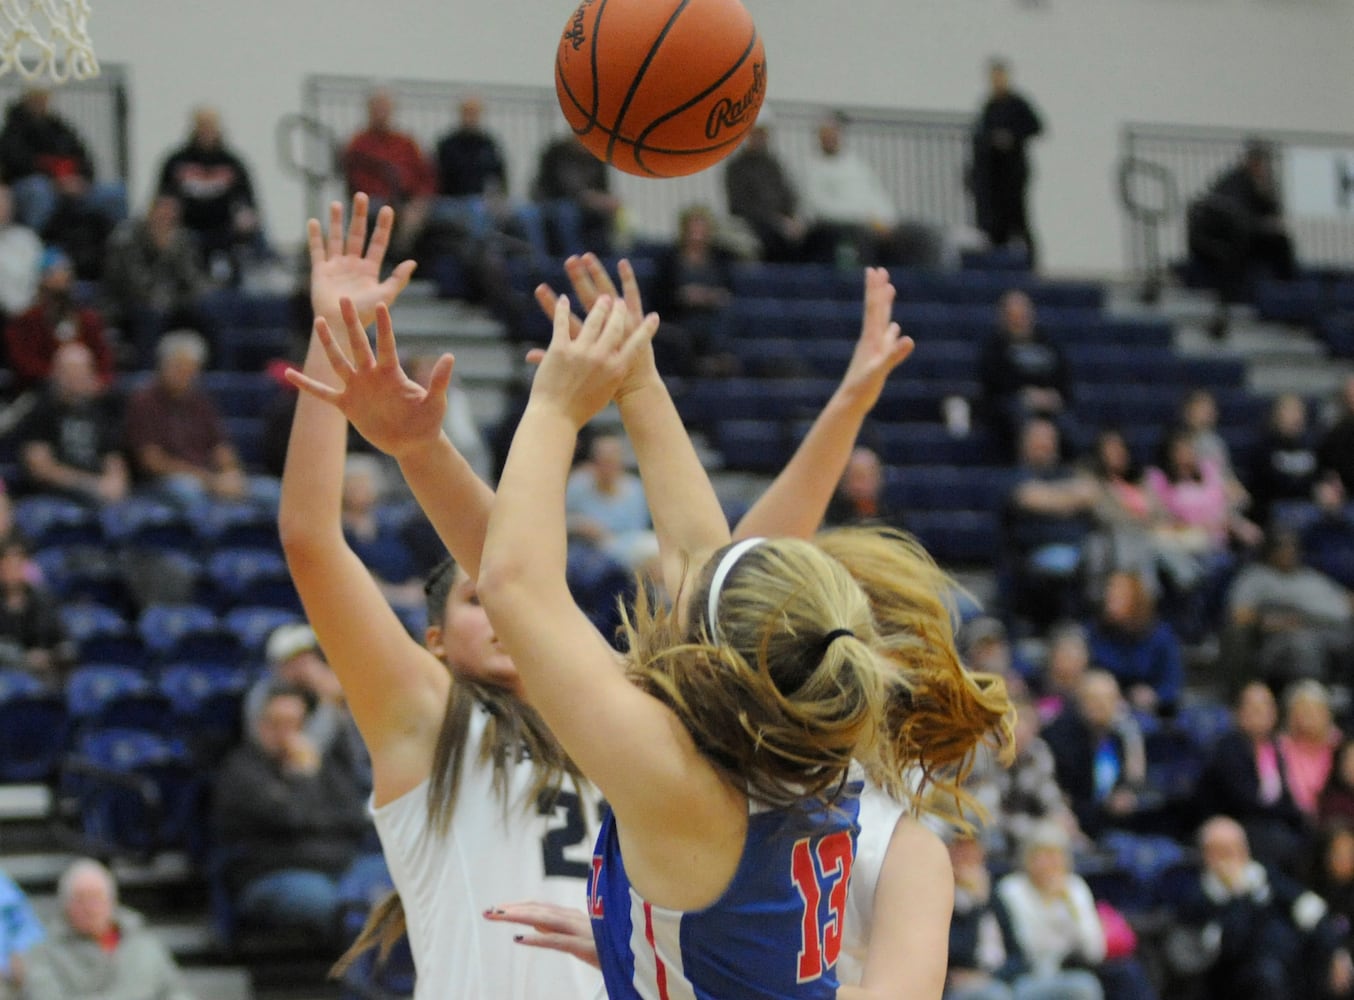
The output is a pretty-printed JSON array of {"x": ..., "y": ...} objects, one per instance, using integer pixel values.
[
  {"x": 879, "y": 815},
  {"x": 489, "y": 857}
]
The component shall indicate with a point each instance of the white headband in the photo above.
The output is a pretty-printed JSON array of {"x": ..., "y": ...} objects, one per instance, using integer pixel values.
[{"x": 722, "y": 572}]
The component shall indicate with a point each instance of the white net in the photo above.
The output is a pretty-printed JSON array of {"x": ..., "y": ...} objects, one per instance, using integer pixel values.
[{"x": 46, "y": 38}]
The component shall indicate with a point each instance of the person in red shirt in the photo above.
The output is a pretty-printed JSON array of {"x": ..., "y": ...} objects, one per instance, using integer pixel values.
[
  {"x": 33, "y": 337},
  {"x": 389, "y": 167}
]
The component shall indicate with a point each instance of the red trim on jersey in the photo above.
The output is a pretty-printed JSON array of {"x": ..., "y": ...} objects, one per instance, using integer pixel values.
[{"x": 660, "y": 970}]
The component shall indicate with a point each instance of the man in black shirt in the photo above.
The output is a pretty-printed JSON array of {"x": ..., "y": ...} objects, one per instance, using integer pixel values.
[
  {"x": 1023, "y": 373},
  {"x": 760, "y": 193},
  {"x": 70, "y": 437},
  {"x": 1001, "y": 169},
  {"x": 469, "y": 161}
]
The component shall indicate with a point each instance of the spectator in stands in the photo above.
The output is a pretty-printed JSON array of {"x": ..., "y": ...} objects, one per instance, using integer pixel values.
[
  {"x": 1308, "y": 742},
  {"x": 32, "y": 337},
  {"x": 20, "y": 930},
  {"x": 985, "y": 958},
  {"x": 986, "y": 647},
  {"x": 1245, "y": 779},
  {"x": 290, "y": 821},
  {"x": 45, "y": 161},
  {"x": 854, "y": 217},
  {"x": 1135, "y": 532},
  {"x": 1022, "y": 795},
  {"x": 32, "y": 636},
  {"x": 176, "y": 437},
  {"x": 1054, "y": 917},
  {"x": 761, "y": 194},
  {"x": 1069, "y": 657},
  {"x": 154, "y": 279},
  {"x": 20, "y": 260},
  {"x": 1333, "y": 875},
  {"x": 1286, "y": 465},
  {"x": 100, "y": 950},
  {"x": 1001, "y": 169},
  {"x": 294, "y": 660},
  {"x": 1100, "y": 758},
  {"x": 1335, "y": 804},
  {"x": 1199, "y": 413},
  {"x": 1328, "y": 538},
  {"x": 574, "y": 190},
  {"x": 1137, "y": 647},
  {"x": 1266, "y": 936},
  {"x": 214, "y": 190},
  {"x": 390, "y": 167},
  {"x": 1236, "y": 230},
  {"x": 470, "y": 163},
  {"x": 605, "y": 503},
  {"x": 71, "y": 442},
  {"x": 1194, "y": 493},
  {"x": 378, "y": 544},
  {"x": 1023, "y": 374},
  {"x": 860, "y": 496},
  {"x": 1336, "y": 450},
  {"x": 1048, "y": 517},
  {"x": 1287, "y": 620},
  {"x": 693, "y": 288}
]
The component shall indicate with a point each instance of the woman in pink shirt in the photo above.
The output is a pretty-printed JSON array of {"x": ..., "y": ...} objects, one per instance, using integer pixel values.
[
  {"x": 1195, "y": 494},
  {"x": 1307, "y": 744}
]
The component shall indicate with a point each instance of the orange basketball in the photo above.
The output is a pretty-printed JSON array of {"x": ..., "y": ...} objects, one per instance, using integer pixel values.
[{"x": 660, "y": 88}]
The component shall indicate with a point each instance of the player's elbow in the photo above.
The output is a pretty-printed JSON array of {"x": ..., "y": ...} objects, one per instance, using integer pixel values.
[{"x": 503, "y": 583}]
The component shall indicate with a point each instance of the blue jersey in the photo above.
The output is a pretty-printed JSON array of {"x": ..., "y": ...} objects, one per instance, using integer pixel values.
[{"x": 775, "y": 933}]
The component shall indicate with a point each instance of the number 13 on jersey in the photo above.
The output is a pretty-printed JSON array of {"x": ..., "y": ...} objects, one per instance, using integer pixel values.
[{"x": 817, "y": 868}]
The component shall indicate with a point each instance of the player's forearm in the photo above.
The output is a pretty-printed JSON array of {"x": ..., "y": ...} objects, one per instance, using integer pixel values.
[
  {"x": 687, "y": 517},
  {"x": 525, "y": 543},
  {"x": 312, "y": 478},
  {"x": 794, "y": 504},
  {"x": 454, "y": 498}
]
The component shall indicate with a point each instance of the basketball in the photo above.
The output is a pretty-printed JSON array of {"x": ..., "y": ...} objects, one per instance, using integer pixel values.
[{"x": 660, "y": 88}]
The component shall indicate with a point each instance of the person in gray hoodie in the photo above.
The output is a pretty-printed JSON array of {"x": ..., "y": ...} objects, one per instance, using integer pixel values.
[{"x": 100, "y": 949}]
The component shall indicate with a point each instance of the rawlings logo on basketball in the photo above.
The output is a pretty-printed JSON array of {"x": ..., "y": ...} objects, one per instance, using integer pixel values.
[
  {"x": 729, "y": 113},
  {"x": 575, "y": 35}
]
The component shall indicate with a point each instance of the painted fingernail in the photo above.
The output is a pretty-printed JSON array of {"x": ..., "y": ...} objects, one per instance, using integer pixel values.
[{"x": 519, "y": 938}]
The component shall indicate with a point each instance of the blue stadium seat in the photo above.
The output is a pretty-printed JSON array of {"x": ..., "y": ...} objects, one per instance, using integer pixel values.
[
  {"x": 14, "y": 683},
  {"x": 932, "y": 444},
  {"x": 247, "y": 436},
  {"x": 187, "y": 632},
  {"x": 148, "y": 523},
  {"x": 220, "y": 525},
  {"x": 359, "y": 891},
  {"x": 956, "y": 537},
  {"x": 49, "y": 521},
  {"x": 103, "y": 635},
  {"x": 251, "y": 577},
  {"x": 948, "y": 488},
  {"x": 99, "y": 696},
  {"x": 1298, "y": 301},
  {"x": 754, "y": 445},
  {"x": 793, "y": 281},
  {"x": 34, "y": 726},
  {"x": 135, "y": 793},
  {"x": 240, "y": 394},
  {"x": 205, "y": 700},
  {"x": 253, "y": 625},
  {"x": 1204, "y": 721}
]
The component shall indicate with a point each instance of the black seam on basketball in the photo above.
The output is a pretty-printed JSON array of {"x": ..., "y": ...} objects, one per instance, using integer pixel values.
[
  {"x": 639, "y": 74},
  {"x": 596, "y": 80},
  {"x": 562, "y": 82},
  {"x": 639, "y": 141}
]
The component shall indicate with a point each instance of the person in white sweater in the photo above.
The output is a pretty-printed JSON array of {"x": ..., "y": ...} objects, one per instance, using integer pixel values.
[
  {"x": 20, "y": 254},
  {"x": 1054, "y": 916}
]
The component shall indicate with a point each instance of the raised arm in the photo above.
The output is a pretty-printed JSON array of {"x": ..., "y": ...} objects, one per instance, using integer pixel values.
[
  {"x": 794, "y": 504},
  {"x": 910, "y": 931},
  {"x": 629, "y": 744},
  {"x": 395, "y": 688}
]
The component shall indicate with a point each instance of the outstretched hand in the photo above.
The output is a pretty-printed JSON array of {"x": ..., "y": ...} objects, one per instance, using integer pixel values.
[
  {"x": 580, "y": 373},
  {"x": 881, "y": 347},
  {"x": 387, "y": 407},
  {"x": 557, "y": 928},
  {"x": 590, "y": 281},
  {"x": 350, "y": 267}
]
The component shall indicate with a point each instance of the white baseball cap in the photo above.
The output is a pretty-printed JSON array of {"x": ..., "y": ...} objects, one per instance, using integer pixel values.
[{"x": 290, "y": 640}]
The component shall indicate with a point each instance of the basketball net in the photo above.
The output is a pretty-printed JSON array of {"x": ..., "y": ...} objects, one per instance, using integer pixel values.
[{"x": 46, "y": 38}]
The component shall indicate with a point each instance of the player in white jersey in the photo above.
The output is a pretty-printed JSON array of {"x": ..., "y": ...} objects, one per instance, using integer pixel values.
[{"x": 473, "y": 799}]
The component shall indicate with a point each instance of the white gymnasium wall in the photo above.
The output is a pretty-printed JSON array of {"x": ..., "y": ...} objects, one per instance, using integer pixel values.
[{"x": 1089, "y": 64}]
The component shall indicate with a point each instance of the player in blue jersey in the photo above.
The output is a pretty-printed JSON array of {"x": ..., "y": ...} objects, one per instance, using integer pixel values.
[{"x": 724, "y": 740}]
